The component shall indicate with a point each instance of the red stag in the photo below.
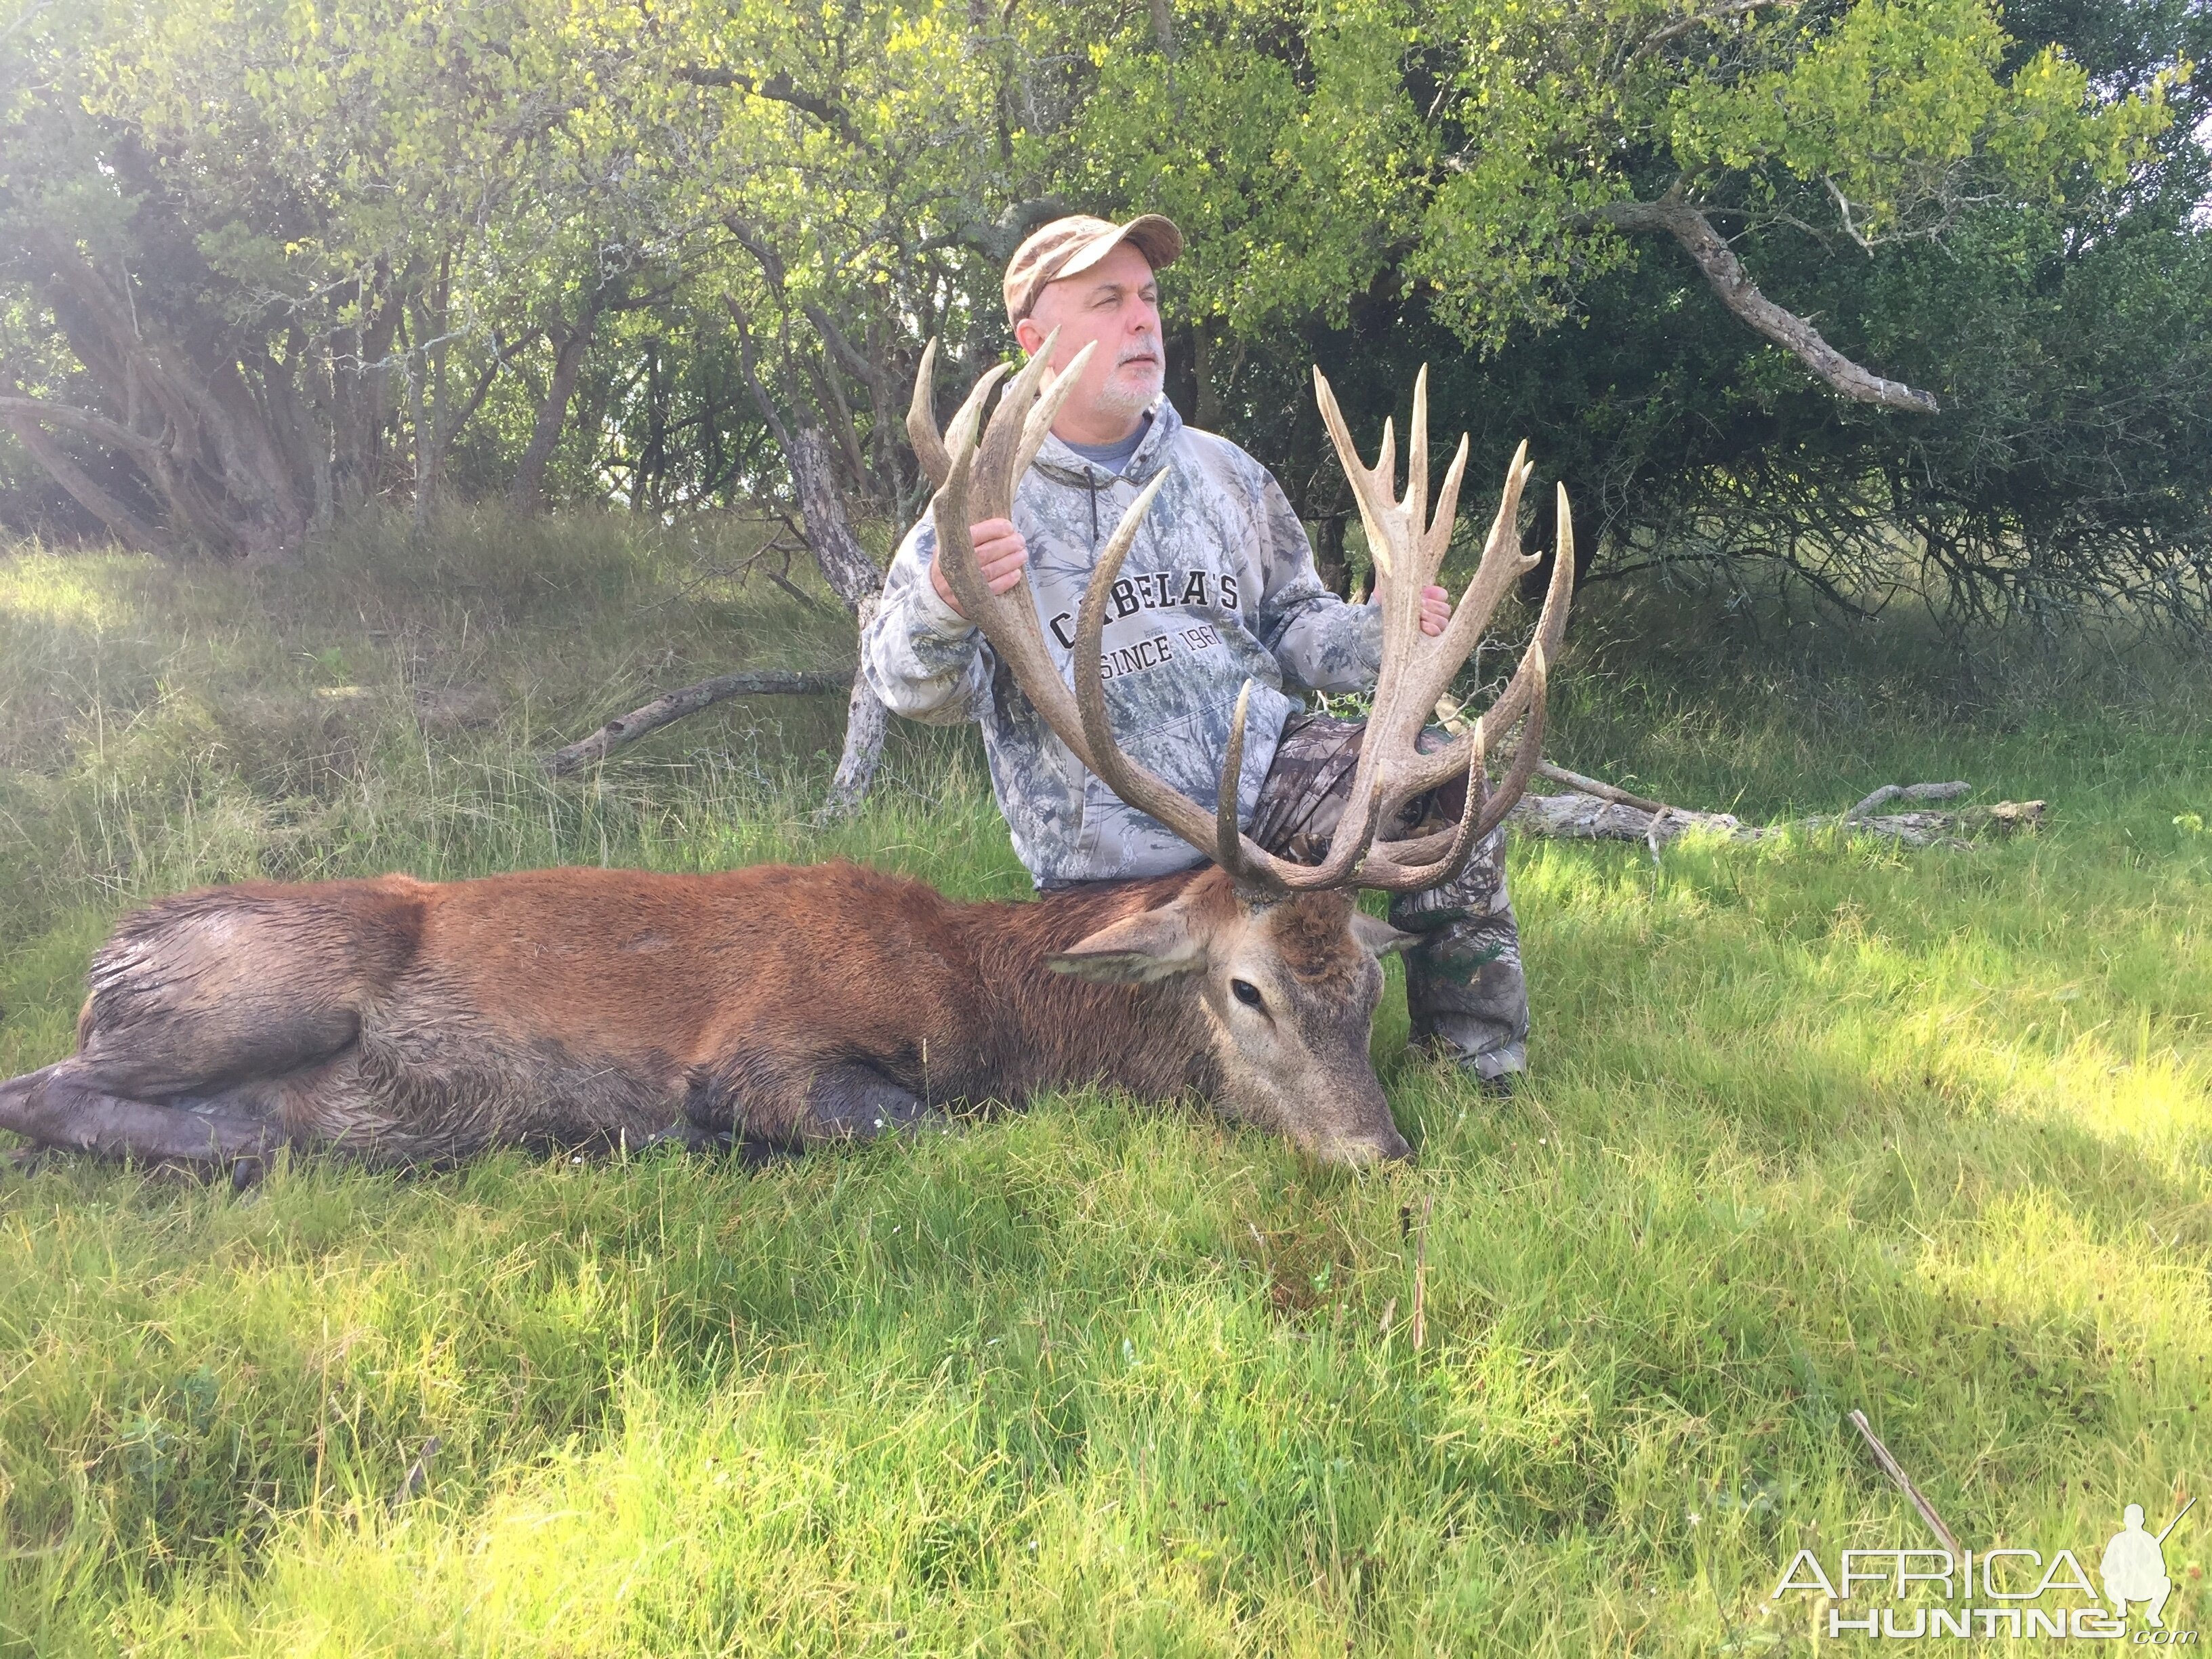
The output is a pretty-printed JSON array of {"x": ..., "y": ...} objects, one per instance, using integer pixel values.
[{"x": 775, "y": 1006}]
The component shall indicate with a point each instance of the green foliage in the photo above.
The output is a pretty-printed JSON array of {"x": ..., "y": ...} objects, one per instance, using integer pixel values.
[
  {"x": 1892, "y": 108},
  {"x": 1813, "y": 1126},
  {"x": 1471, "y": 143},
  {"x": 443, "y": 246}
]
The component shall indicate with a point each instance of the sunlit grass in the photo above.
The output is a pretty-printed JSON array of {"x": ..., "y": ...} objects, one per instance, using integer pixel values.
[{"x": 1814, "y": 1125}]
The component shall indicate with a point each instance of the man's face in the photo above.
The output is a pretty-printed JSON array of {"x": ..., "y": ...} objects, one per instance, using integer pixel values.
[{"x": 1115, "y": 303}]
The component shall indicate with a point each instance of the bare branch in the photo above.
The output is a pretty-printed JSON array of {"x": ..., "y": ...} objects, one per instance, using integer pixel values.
[
  {"x": 617, "y": 733},
  {"x": 1711, "y": 253},
  {"x": 1895, "y": 1471},
  {"x": 1602, "y": 790},
  {"x": 749, "y": 368},
  {"x": 1602, "y": 812},
  {"x": 1912, "y": 792}
]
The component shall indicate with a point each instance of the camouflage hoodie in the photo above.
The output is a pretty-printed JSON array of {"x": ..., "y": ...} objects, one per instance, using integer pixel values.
[{"x": 1218, "y": 587}]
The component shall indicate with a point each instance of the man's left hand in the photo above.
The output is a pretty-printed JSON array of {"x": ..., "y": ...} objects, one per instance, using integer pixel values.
[{"x": 1435, "y": 610}]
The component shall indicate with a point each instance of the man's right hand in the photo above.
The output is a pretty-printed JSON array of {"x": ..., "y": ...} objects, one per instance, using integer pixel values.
[{"x": 1001, "y": 553}]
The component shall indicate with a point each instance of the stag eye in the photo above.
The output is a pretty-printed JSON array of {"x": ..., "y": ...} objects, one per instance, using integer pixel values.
[{"x": 1247, "y": 992}]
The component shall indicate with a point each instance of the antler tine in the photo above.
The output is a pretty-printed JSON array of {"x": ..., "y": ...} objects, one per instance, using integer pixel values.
[
  {"x": 1435, "y": 541},
  {"x": 996, "y": 475},
  {"x": 1009, "y": 620},
  {"x": 1400, "y": 866},
  {"x": 1500, "y": 565},
  {"x": 1371, "y": 486},
  {"x": 956, "y": 549},
  {"x": 921, "y": 420},
  {"x": 1053, "y": 394},
  {"x": 1381, "y": 479},
  {"x": 1523, "y": 691},
  {"x": 968, "y": 419},
  {"x": 1228, "y": 834},
  {"x": 1415, "y": 506}
]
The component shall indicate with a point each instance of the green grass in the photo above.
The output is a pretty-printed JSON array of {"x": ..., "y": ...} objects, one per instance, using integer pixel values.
[{"x": 1812, "y": 1125}]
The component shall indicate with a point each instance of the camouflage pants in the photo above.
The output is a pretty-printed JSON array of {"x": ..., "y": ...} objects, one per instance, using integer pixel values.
[{"x": 1463, "y": 983}]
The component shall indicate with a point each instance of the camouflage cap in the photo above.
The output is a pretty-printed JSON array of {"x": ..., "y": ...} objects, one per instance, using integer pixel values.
[{"x": 1068, "y": 246}]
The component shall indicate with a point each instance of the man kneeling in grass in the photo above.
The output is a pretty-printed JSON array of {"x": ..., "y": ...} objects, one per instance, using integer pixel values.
[{"x": 1220, "y": 588}]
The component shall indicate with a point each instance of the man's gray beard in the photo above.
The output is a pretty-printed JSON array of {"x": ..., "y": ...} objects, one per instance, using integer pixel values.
[{"x": 1119, "y": 397}]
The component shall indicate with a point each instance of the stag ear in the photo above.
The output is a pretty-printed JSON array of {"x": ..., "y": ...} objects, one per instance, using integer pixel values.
[
  {"x": 1152, "y": 945},
  {"x": 1378, "y": 936}
]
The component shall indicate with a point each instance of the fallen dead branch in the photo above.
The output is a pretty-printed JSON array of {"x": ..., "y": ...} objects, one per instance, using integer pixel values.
[
  {"x": 1594, "y": 811},
  {"x": 691, "y": 700},
  {"x": 1895, "y": 1471}
]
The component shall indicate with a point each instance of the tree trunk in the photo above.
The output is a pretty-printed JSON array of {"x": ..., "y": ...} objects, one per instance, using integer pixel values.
[
  {"x": 216, "y": 465},
  {"x": 845, "y": 565},
  {"x": 360, "y": 377},
  {"x": 1330, "y": 562},
  {"x": 1206, "y": 396},
  {"x": 433, "y": 412},
  {"x": 853, "y": 576},
  {"x": 865, "y": 722},
  {"x": 527, "y": 493}
]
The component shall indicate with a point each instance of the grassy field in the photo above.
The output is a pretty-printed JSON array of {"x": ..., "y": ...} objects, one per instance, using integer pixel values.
[{"x": 1812, "y": 1125}]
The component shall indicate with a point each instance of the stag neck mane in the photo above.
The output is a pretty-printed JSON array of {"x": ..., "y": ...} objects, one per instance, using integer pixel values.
[{"x": 1049, "y": 1028}]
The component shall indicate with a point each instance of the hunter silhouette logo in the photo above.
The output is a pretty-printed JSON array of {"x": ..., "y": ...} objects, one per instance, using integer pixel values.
[
  {"x": 2001, "y": 1591},
  {"x": 2134, "y": 1567}
]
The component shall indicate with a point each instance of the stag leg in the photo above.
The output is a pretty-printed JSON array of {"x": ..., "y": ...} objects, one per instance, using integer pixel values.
[
  {"x": 853, "y": 1101},
  {"x": 785, "y": 1101},
  {"x": 64, "y": 1107}
]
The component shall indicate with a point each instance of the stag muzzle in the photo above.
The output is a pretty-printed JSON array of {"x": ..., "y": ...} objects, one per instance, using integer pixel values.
[
  {"x": 1387, "y": 1147},
  {"x": 1351, "y": 1125}
]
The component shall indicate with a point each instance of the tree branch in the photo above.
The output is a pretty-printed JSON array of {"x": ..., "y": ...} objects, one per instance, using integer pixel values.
[
  {"x": 126, "y": 525},
  {"x": 97, "y": 427},
  {"x": 1682, "y": 26},
  {"x": 1712, "y": 254},
  {"x": 748, "y": 370},
  {"x": 616, "y": 733},
  {"x": 777, "y": 88},
  {"x": 1598, "y": 812},
  {"x": 859, "y": 367}
]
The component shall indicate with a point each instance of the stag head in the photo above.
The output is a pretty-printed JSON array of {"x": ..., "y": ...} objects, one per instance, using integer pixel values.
[
  {"x": 1285, "y": 989},
  {"x": 1283, "y": 964}
]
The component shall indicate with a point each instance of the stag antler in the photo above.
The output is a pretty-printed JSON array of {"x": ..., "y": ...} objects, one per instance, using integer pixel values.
[
  {"x": 975, "y": 481},
  {"x": 978, "y": 478}
]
